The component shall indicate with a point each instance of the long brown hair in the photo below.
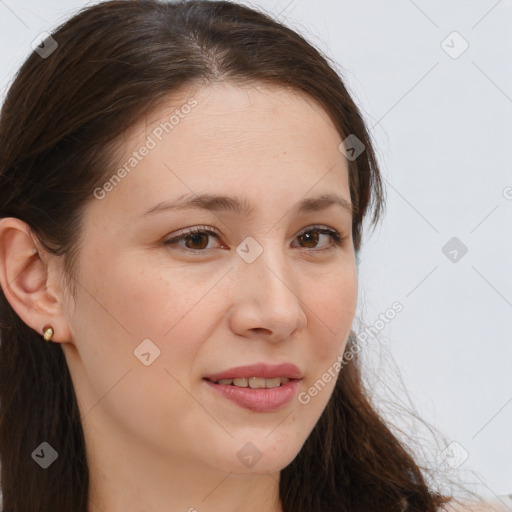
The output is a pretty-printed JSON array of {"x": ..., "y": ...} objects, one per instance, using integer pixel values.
[{"x": 115, "y": 61}]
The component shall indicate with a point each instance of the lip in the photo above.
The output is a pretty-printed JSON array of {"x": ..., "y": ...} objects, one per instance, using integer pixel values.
[
  {"x": 264, "y": 370},
  {"x": 258, "y": 400},
  {"x": 263, "y": 399}
]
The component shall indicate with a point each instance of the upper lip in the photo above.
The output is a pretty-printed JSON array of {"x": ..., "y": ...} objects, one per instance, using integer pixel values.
[{"x": 266, "y": 371}]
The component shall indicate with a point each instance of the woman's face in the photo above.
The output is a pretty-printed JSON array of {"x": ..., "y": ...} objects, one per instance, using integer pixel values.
[{"x": 257, "y": 172}]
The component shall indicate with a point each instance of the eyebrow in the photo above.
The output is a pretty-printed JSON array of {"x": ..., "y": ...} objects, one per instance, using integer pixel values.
[{"x": 217, "y": 203}]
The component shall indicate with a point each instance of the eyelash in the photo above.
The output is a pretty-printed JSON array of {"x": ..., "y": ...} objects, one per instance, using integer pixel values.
[{"x": 335, "y": 235}]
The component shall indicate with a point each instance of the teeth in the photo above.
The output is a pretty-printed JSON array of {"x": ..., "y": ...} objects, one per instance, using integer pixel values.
[
  {"x": 254, "y": 382},
  {"x": 272, "y": 383},
  {"x": 257, "y": 382}
]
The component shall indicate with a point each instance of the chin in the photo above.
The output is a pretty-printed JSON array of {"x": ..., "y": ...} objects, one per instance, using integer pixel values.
[{"x": 258, "y": 457}]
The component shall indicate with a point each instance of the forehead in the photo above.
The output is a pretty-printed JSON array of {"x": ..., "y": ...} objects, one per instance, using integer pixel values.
[{"x": 267, "y": 143}]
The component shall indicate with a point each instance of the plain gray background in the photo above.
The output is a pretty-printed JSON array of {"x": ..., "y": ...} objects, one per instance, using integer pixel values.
[{"x": 441, "y": 120}]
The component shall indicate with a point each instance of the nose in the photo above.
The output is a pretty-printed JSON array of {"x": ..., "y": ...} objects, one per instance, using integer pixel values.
[{"x": 266, "y": 299}]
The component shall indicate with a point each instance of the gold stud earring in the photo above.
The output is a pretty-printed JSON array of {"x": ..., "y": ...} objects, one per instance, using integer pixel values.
[{"x": 47, "y": 332}]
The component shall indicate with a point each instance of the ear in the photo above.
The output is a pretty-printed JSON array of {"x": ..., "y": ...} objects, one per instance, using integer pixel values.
[{"x": 30, "y": 279}]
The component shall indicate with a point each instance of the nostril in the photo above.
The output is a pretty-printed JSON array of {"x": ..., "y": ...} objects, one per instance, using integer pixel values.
[{"x": 261, "y": 330}]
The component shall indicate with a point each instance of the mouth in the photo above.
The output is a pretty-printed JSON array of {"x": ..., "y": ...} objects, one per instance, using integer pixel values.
[
  {"x": 259, "y": 388},
  {"x": 253, "y": 382},
  {"x": 257, "y": 373}
]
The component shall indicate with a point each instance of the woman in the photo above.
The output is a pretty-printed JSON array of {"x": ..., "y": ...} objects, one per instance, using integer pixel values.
[{"x": 182, "y": 191}]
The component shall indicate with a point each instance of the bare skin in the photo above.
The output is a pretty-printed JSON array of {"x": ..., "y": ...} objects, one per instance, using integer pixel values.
[{"x": 158, "y": 438}]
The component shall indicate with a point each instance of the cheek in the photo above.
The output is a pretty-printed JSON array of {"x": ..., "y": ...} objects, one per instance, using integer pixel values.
[
  {"x": 330, "y": 320},
  {"x": 332, "y": 310},
  {"x": 155, "y": 300},
  {"x": 130, "y": 302},
  {"x": 127, "y": 307}
]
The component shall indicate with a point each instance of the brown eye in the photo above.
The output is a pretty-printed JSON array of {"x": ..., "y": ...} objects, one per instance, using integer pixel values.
[
  {"x": 197, "y": 241},
  {"x": 313, "y": 238},
  {"x": 310, "y": 239},
  {"x": 194, "y": 240}
]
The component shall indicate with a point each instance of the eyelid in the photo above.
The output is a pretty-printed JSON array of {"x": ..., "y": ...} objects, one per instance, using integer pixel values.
[
  {"x": 319, "y": 227},
  {"x": 193, "y": 229}
]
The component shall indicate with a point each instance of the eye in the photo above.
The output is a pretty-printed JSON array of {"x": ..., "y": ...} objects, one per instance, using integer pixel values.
[
  {"x": 313, "y": 235},
  {"x": 196, "y": 239}
]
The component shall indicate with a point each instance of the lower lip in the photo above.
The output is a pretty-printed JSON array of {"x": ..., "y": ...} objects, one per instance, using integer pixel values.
[{"x": 259, "y": 400}]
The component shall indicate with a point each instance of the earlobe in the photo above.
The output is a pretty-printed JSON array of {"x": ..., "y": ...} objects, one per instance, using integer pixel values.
[{"x": 24, "y": 278}]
